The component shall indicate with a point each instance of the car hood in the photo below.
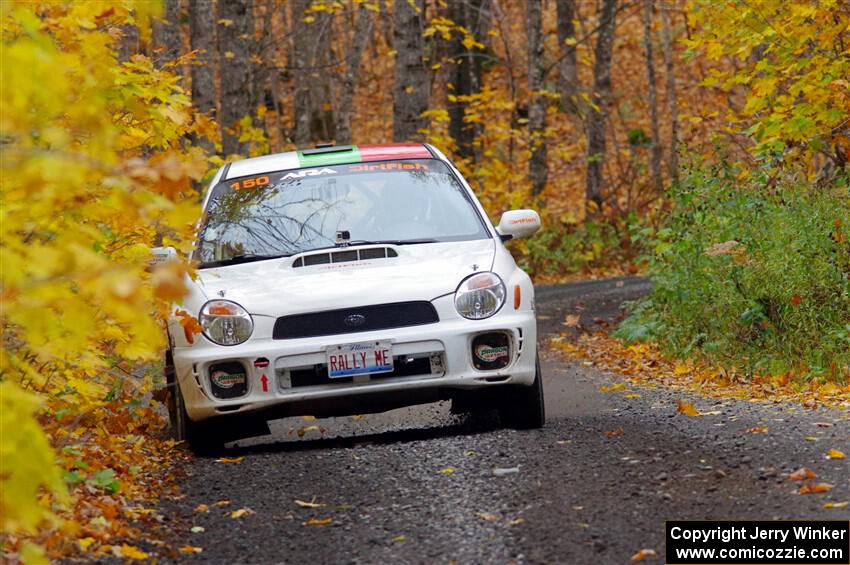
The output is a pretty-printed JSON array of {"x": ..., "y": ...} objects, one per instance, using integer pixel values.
[{"x": 419, "y": 272}]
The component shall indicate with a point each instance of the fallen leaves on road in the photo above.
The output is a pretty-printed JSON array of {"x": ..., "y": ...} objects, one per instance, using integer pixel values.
[
  {"x": 644, "y": 364},
  {"x": 202, "y": 508},
  {"x": 304, "y": 429},
  {"x": 814, "y": 488},
  {"x": 614, "y": 433},
  {"x": 835, "y": 504},
  {"x": 132, "y": 552},
  {"x": 643, "y": 554},
  {"x": 190, "y": 549},
  {"x": 241, "y": 513},
  {"x": 398, "y": 539},
  {"x": 197, "y": 529},
  {"x": 757, "y": 430},
  {"x": 222, "y": 503},
  {"x": 612, "y": 388},
  {"x": 802, "y": 474},
  {"x": 686, "y": 408},
  {"x": 229, "y": 459},
  {"x": 572, "y": 320},
  {"x": 447, "y": 470},
  {"x": 495, "y": 518},
  {"x": 318, "y": 522},
  {"x": 834, "y": 454},
  {"x": 487, "y": 516},
  {"x": 311, "y": 504}
]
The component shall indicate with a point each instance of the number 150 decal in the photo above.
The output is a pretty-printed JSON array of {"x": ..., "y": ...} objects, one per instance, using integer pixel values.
[{"x": 250, "y": 183}]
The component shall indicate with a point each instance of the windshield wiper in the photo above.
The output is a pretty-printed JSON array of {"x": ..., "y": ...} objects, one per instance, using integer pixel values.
[
  {"x": 389, "y": 242},
  {"x": 237, "y": 259}
]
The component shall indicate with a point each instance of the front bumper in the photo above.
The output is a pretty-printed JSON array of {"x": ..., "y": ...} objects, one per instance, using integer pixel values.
[{"x": 270, "y": 394}]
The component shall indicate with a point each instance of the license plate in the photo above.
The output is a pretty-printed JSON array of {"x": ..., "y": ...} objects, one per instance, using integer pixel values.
[{"x": 359, "y": 359}]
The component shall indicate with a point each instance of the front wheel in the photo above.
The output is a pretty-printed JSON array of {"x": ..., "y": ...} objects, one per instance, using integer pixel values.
[
  {"x": 522, "y": 407},
  {"x": 196, "y": 434}
]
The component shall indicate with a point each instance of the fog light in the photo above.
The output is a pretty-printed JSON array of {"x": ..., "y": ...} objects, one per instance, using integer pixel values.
[
  {"x": 228, "y": 380},
  {"x": 491, "y": 351}
]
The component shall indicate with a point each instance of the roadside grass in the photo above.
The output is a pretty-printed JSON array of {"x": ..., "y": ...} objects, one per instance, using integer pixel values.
[{"x": 752, "y": 274}]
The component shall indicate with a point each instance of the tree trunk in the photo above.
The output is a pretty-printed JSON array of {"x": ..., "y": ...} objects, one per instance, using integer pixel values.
[
  {"x": 538, "y": 169},
  {"x": 166, "y": 34},
  {"x": 655, "y": 156},
  {"x": 235, "y": 34},
  {"x": 202, "y": 39},
  {"x": 362, "y": 32},
  {"x": 129, "y": 43},
  {"x": 312, "y": 102},
  {"x": 598, "y": 113},
  {"x": 472, "y": 15},
  {"x": 568, "y": 66},
  {"x": 671, "y": 92},
  {"x": 410, "y": 88}
]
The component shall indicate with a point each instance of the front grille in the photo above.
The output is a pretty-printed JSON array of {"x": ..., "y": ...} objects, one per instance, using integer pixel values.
[{"x": 351, "y": 320}]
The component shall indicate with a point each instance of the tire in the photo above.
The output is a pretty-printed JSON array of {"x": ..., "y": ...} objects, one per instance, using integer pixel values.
[
  {"x": 523, "y": 407},
  {"x": 199, "y": 436}
]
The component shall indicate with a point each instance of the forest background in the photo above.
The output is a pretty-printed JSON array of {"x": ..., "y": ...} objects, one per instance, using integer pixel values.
[{"x": 703, "y": 142}]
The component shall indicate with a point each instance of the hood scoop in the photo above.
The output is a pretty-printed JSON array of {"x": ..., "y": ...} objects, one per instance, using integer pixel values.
[{"x": 344, "y": 255}]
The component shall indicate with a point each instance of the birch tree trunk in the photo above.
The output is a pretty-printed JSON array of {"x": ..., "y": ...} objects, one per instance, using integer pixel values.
[
  {"x": 598, "y": 112},
  {"x": 411, "y": 87},
  {"x": 362, "y": 33},
  {"x": 667, "y": 38},
  {"x": 235, "y": 42},
  {"x": 568, "y": 66},
  {"x": 655, "y": 155},
  {"x": 538, "y": 169}
]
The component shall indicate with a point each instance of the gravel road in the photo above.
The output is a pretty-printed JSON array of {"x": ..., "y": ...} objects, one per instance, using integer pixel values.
[{"x": 594, "y": 486}]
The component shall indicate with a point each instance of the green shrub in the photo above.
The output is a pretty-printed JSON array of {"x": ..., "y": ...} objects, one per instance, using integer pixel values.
[
  {"x": 563, "y": 249},
  {"x": 753, "y": 274}
]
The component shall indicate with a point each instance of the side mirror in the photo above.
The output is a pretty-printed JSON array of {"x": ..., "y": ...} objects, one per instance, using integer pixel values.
[
  {"x": 516, "y": 224},
  {"x": 162, "y": 255}
]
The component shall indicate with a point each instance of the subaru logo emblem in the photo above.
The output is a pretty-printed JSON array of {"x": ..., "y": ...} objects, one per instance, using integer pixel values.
[{"x": 355, "y": 320}]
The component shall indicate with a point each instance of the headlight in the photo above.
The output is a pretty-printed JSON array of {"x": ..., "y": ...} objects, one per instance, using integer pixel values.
[
  {"x": 480, "y": 296},
  {"x": 225, "y": 322}
]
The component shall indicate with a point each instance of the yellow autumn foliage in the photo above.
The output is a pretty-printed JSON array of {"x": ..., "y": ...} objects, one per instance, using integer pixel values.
[
  {"x": 94, "y": 172},
  {"x": 789, "y": 62}
]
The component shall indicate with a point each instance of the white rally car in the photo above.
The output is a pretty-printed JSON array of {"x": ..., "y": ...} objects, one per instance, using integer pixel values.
[{"x": 350, "y": 280}]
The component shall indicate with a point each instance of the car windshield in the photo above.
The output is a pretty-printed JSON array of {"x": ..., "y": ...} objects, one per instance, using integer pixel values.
[{"x": 289, "y": 212}]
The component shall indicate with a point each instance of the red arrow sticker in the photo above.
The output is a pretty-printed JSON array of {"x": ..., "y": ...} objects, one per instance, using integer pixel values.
[{"x": 265, "y": 382}]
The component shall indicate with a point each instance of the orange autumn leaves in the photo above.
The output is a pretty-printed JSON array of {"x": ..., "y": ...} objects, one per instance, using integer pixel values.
[
  {"x": 644, "y": 363},
  {"x": 809, "y": 487}
]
